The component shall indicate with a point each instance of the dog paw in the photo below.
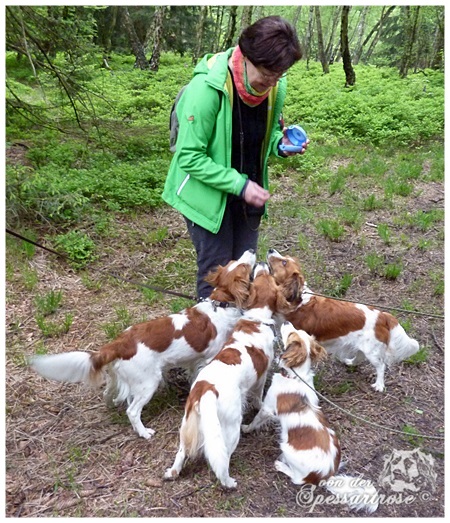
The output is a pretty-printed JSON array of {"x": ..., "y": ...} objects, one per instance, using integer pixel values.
[
  {"x": 379, "y": 387},
  {"x": 170, "y": 474},
  {"x": 229, "y": 483},
  {"x": 146, "y": 433}
]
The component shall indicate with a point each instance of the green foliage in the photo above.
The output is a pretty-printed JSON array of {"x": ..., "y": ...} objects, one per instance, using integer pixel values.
[
  {"x": 114, "y": 328},
  {"x": 331, "y": 229},
  {"x": 382, "y": 108},
  {"x": 77, "y": 246},
  {"x": 49, "y": 303}
]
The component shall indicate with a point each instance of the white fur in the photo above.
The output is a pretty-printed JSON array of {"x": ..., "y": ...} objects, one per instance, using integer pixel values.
[
  {"x": 356, "y": 346},
  {"x": 213, "y": 427},
  {"x": 298, "y": 464},
  {"x": 136, "y": 379}
]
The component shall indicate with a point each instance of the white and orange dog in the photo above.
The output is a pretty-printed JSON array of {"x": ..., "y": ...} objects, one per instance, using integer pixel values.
[
  {"x": 214, "y": 408},
  {"x": 135, "y": 361},
  {"x": 310, "y": 449},
  {"x": 351, "y": 332}
]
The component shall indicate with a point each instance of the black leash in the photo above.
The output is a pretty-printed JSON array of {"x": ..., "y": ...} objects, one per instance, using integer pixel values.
[
  {"x": 364, "y": 420},
  {"x": 193, "y": 298},
  {"x": 131, "y": 282}
]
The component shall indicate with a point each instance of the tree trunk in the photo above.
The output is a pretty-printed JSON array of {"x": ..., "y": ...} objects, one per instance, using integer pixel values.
[
  {"x": 157, "y": 37},
  {"x": 200, "y": 33},
  {"x": 136, "y": 46},
  {"x": 309, "y": 33},
  {"x": 297, "y": 16},
  {"x": 246, "y": 18},
  {"x": 106, "y": 29},
  {"x": 410, "y": 29},
  {"x": 229, "y": 39},
  {"x": 437, "y": 61},
  {"x": 218, "y": 26},
  {"x": 321, "y": 49},
  {"x": 360, "y": 34},
  {"x": 350, "y": 77},
  {"x": 378, "y": 30},
  {"x": 329, "y": 50}
]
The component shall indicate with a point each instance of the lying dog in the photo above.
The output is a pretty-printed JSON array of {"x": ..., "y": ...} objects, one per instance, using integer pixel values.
[
  {"x": 135, "y": 361},
  {"x": 351, "y": 332},
  {"x": 214, "y": 408},
  {"x": 310, "y": 450}
]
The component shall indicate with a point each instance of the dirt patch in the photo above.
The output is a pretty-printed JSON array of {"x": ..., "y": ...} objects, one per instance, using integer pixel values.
[{"x": 67, "y": 455}]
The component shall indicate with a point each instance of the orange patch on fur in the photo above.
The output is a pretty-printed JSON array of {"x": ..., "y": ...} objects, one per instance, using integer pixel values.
[
  {"x": 327, "y": 319},
  {"x": 289, "y": 402},
  {"x": 199, "y": 331},
  {"x": 247, "y": 327},
  {"x": 197, "y": 391},
  {"x": 305, "y": 438},
  {"x": 383, "y": 326},
  {"x": 259, "y": 359},
  {"x": 229, "y": 356}
]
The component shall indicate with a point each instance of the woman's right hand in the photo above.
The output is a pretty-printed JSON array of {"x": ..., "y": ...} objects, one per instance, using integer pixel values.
[{"x": 255, "y": 195}]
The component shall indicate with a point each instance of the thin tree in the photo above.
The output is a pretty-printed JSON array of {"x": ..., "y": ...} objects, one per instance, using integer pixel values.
[
  {"x": 329, "y": 49},
  {"x": 439, "y": 40},
  {"x": 157, "y": 37},
  {"x": 246, "y": 18},
  {"x": 350, "y": 76},
  {"x": 309, "y": 33},
  {"x": 360, "y": 34},
  {"x": 410, "y": 29},
  {"x": 229, "y": 38},
  {"x": 200, "y": 33},
  {"x": 320, "y": 46},
  {"x": 376, "y": 32},
  {"x": 136, "y": 46}
]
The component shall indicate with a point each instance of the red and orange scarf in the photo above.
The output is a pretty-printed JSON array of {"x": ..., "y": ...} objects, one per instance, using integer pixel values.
[{"x": 246, "y": 92}]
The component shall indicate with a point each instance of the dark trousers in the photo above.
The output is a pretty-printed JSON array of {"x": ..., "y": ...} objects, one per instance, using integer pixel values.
[{"x": 238, "y": 232}]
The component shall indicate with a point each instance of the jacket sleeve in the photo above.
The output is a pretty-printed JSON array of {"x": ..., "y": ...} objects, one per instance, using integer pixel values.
[{"x": 200, "y": 119}]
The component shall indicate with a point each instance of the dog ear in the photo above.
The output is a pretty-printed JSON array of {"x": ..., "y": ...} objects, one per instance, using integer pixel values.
[
  {"x": 283, "y": 306},
  {"x": 318, "y": 353},
  {"x": 293, "y": 288},
  {"x": 240, "y": 287},
  {"x": 213, "y": 277},
  {"x": 295, "y": 353}
]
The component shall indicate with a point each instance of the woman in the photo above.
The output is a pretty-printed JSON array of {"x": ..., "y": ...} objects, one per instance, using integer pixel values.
[{"x": 229, "y": 124}]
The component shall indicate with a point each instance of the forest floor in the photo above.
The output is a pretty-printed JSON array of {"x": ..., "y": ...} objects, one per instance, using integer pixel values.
[{"x": 68, "y": 455}]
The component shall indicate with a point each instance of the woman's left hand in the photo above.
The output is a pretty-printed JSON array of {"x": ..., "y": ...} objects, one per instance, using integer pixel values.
[{"x": 285, "y": 140}]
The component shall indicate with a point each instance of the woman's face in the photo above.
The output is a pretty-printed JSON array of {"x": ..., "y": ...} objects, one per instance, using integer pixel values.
[{"x": 260, "y": 78}]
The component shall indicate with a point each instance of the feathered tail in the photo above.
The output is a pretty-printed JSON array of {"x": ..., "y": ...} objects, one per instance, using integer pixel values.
[
  {"x": 358, "y": 493},
  {"x": 76, "y": 367}
]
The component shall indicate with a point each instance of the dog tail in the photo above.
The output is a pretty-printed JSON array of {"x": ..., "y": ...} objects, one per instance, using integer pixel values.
[
  {"x": 214, "y": 446},
  {"x": 77, "y": 366},
  {"x": 69, "y": 367},
  {"x": 358, "y": 493}
]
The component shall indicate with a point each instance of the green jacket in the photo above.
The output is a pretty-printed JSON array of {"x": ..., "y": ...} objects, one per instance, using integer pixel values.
[{"x": 200, "y": 174}]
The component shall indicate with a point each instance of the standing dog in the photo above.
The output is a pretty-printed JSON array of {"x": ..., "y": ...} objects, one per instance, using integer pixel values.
[
  {"x": 351, "y": 332},
  {"x": 214, "y": 408},
  {"x": 135, "y": 361},
  {"x": 310, "y": 450}
]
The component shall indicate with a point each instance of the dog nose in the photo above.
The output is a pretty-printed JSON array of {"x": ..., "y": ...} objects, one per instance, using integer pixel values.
[
  {"x": 251, "y": 251},
  {"x": 271, "y": 251}
]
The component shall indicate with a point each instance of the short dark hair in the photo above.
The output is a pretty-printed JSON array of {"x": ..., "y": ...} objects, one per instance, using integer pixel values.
[{"x": 272, "y": 43}]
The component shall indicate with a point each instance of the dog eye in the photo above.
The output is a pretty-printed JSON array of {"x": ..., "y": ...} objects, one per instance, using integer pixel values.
[{"x": 284, "y": 263}]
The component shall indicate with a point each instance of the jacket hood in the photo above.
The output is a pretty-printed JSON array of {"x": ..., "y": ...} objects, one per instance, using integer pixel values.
[{"x": 215, "y": 66}]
